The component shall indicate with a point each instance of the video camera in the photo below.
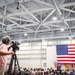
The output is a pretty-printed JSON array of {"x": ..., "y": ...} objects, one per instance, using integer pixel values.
[{"x": 15, "y": 46}]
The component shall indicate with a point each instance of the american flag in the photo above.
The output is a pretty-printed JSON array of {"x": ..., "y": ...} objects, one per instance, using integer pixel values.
[{"x": 66, "y": 54}]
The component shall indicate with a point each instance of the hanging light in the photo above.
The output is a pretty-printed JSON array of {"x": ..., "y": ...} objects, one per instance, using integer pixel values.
[
  {"x": 70, "y": 38},
  {"x": 25, "y": 34},
  {"x": 62, "y": 29},
  {"x": 54, "y": 18}
]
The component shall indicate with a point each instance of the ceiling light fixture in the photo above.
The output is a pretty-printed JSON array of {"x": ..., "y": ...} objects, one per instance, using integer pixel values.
[
  {"x": 62, "y": 29},
  {"x": 54, "y": 18},
  {"x": 70, "y": 38},
  {"x": 25, "y": 34}
]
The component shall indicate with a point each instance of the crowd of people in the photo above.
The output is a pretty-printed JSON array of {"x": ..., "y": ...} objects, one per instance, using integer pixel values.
[{"x": 40, "y": 71}]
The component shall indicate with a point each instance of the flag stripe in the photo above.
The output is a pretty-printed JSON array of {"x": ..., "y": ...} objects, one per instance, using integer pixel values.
[
  {"x": 66, "y": 62},
  {"x": 71, "y": 44},
  {"x": 66, "y": 59},
  {"x": 71, "y": 50}
]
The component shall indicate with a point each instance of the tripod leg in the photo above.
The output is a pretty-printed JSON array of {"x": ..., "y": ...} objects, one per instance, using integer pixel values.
[
  {"x": 17, "y": 62},
  {"x": 10, "y": 66},
  {"x": 14, "y": 72}
]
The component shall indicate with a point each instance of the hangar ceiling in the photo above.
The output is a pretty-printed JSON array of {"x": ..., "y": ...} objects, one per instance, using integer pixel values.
[{"x": 37, "y": 19}]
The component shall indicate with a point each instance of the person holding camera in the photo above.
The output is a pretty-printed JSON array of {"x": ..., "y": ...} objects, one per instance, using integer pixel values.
[{"x": 4, "y": 51}]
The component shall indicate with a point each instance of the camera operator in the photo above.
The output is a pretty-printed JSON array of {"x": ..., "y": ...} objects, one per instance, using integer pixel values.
[{"x": 4, "y": 51}]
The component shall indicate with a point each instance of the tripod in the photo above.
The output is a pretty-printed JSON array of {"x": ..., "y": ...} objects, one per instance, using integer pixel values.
[{"x": 14, "y": 61}]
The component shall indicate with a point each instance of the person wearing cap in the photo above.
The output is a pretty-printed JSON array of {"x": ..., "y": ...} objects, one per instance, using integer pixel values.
[{"x": 4, "y": 51}]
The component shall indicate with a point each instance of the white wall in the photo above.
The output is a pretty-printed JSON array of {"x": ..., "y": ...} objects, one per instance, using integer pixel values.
[
  {"x": 39, "y": 54},
  {"x": 30, "y": 63},
  {"x": 51, "y": 56}
]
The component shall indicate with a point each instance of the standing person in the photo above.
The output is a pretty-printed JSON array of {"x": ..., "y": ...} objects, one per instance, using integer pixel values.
[{"x": 4, "y": 51}]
